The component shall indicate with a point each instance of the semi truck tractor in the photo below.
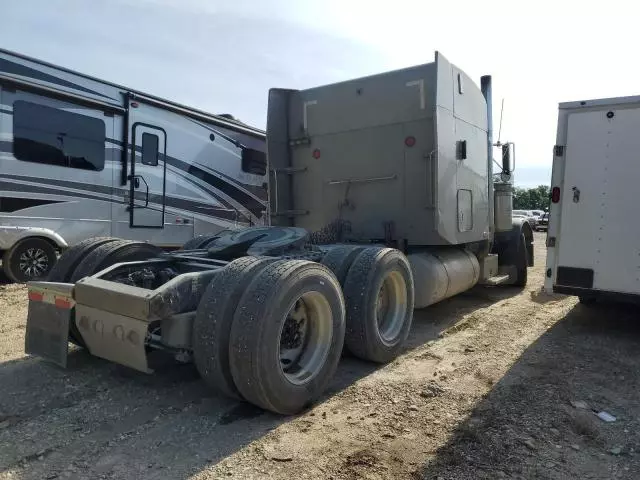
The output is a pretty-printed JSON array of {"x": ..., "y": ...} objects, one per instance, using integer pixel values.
[{"x": 382, "y": 199}]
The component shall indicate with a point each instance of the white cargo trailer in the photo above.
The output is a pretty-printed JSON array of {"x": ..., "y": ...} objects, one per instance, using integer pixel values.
[{"x": 594, "y": 237}]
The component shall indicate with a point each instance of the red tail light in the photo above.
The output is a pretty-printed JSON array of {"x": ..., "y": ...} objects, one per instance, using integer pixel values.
[{"x": 555, "y": 194}]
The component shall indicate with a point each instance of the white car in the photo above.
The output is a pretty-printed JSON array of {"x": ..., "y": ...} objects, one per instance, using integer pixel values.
[{"x": 529, "y": 215}]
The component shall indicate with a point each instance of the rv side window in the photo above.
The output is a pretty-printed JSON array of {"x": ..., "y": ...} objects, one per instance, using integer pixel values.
[
  {"x": 254, "y": 161},
  {"x": 56, "y": 137},
  {"x": 149, "y": 149}
]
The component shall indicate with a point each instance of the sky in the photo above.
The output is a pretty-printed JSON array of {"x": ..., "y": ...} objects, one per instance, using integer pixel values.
[{"x": 222, "y": 56}]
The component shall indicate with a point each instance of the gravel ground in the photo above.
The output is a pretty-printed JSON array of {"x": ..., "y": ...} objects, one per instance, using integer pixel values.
[{"x": 496, "y": 383}]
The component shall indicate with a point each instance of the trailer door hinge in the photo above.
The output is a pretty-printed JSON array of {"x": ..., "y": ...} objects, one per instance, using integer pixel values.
[{"x": 558, "y": 150}]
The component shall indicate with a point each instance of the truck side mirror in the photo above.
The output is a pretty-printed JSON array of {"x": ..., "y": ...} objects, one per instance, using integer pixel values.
[{"x": 506, "y": 158}]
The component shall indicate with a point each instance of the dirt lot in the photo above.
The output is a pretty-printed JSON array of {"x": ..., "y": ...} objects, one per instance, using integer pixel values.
[{"x": 490, "y": 387}]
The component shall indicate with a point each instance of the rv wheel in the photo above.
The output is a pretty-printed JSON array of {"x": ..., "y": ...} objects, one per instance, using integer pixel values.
[
  {"x": 379, "y": 297},
  {"x": 287, "y": 335},
  {"x": 29, "y": 259},
  {"x": 212, "y": 324}
]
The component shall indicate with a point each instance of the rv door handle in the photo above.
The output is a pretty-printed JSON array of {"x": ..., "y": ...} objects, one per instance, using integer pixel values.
[{"x": 136, "y": 182}]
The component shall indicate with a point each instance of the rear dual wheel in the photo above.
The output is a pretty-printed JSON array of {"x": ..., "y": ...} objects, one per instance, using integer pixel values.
[
  {"x": 275, "y": 338},
  {"x": 379, "y": 296},
  {"x": 91, "y": 256}
]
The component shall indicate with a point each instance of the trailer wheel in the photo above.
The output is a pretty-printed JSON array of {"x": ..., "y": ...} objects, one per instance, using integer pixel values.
[
  {"x": 340, "y": 259},
  {"x": 212, "y": 325},
  {"x": 69, "y": 260},
  {"x": 287, "y": 335},
  {"x": 29, "y": 259},
  {"x": 111, "y": 253},
  {"x": 521, "y": 263},
  {"x": 379, "y": 296}
]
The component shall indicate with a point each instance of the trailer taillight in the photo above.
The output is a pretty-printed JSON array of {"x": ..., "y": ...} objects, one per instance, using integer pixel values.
[
  {"x": 555, "y": 194},
  {"x": 316, "y": 154}
]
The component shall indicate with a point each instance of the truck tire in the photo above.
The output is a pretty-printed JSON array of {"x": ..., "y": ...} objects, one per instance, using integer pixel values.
[
  {"x": 339, "y": 260},
  {"x": 379, "y": 296},
  {"x": 29, "y": 259},
  {"x": 111, "y": 253},
  {"x": 69, "y": 260},
  {"x": 587, "y": 300},
  {"x": 287, "y": 335},
  {"x": 212, "y": 325},
  {"x": 521, "y": 264}
]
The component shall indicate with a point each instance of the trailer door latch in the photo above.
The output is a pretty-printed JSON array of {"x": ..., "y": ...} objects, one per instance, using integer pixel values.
[{"x": 576, "y": 194}]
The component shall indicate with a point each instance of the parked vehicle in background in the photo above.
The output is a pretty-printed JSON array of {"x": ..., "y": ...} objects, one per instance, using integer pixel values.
[
  {"x": 543, "y": 222},
  {"x": 593, "y": 249},
  {"x": 81, "y": 157},
  {"x": 529, "y": 215}
]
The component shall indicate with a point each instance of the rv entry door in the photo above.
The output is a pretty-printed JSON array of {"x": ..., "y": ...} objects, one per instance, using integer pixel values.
[{"x": 147, "y": 169}]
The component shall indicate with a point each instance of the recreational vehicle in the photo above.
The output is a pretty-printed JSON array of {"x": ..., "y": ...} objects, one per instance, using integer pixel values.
[{"x": 81, "y": 157}]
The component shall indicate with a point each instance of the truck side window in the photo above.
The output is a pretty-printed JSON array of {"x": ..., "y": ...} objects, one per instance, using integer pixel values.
[
  {"x": 150, "y": 149},
  {"x": 54, "y": 136}
]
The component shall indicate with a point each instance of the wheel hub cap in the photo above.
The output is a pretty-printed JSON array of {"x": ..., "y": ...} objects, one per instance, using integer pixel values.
[{"x": 33, "y": 262}]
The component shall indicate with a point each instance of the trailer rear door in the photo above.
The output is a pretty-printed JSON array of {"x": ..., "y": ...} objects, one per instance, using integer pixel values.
[{"x": 599, "y": 231}]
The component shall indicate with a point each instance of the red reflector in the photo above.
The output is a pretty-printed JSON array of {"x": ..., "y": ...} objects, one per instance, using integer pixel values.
[
  {"x": 555, "y": 194},
  {"x": 36, "y": 296},
  {"x": 410, "y": 141},
  {"x": 316, "y": 154},
  {"x": 62, "y": 302}
]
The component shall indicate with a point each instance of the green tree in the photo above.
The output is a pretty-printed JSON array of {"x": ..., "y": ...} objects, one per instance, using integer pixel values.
[{"x": 532, "y": 198}]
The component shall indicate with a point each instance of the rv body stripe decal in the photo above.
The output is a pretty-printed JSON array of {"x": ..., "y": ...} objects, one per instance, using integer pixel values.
[
  {"x": 111, "y": 195},
  {"x": 24, "y": 71}
]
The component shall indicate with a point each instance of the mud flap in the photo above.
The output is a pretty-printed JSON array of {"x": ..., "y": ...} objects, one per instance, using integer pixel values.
[{"x": 51, "y": 309}]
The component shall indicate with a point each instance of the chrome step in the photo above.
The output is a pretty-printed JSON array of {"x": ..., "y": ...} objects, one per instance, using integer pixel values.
[{"x": 497, "y": 280}]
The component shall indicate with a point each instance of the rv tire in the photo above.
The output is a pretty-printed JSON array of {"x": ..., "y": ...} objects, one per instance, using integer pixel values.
[{"x": 29, "y": 259}]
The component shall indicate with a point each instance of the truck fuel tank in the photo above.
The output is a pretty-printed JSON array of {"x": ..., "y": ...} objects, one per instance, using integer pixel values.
[{"x": 442, "y": 273}]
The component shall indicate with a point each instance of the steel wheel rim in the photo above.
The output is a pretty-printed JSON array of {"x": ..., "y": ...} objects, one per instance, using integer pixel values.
[
  {"x": 305, "y": 338},
  {"x": 391, "y": 307},
  {"x": 33, "y": 262}
]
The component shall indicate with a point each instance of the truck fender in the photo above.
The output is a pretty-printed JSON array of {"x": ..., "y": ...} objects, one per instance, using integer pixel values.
[
  {"x": 9, "y": 236},
  {"x": 507, "y": 244}
]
